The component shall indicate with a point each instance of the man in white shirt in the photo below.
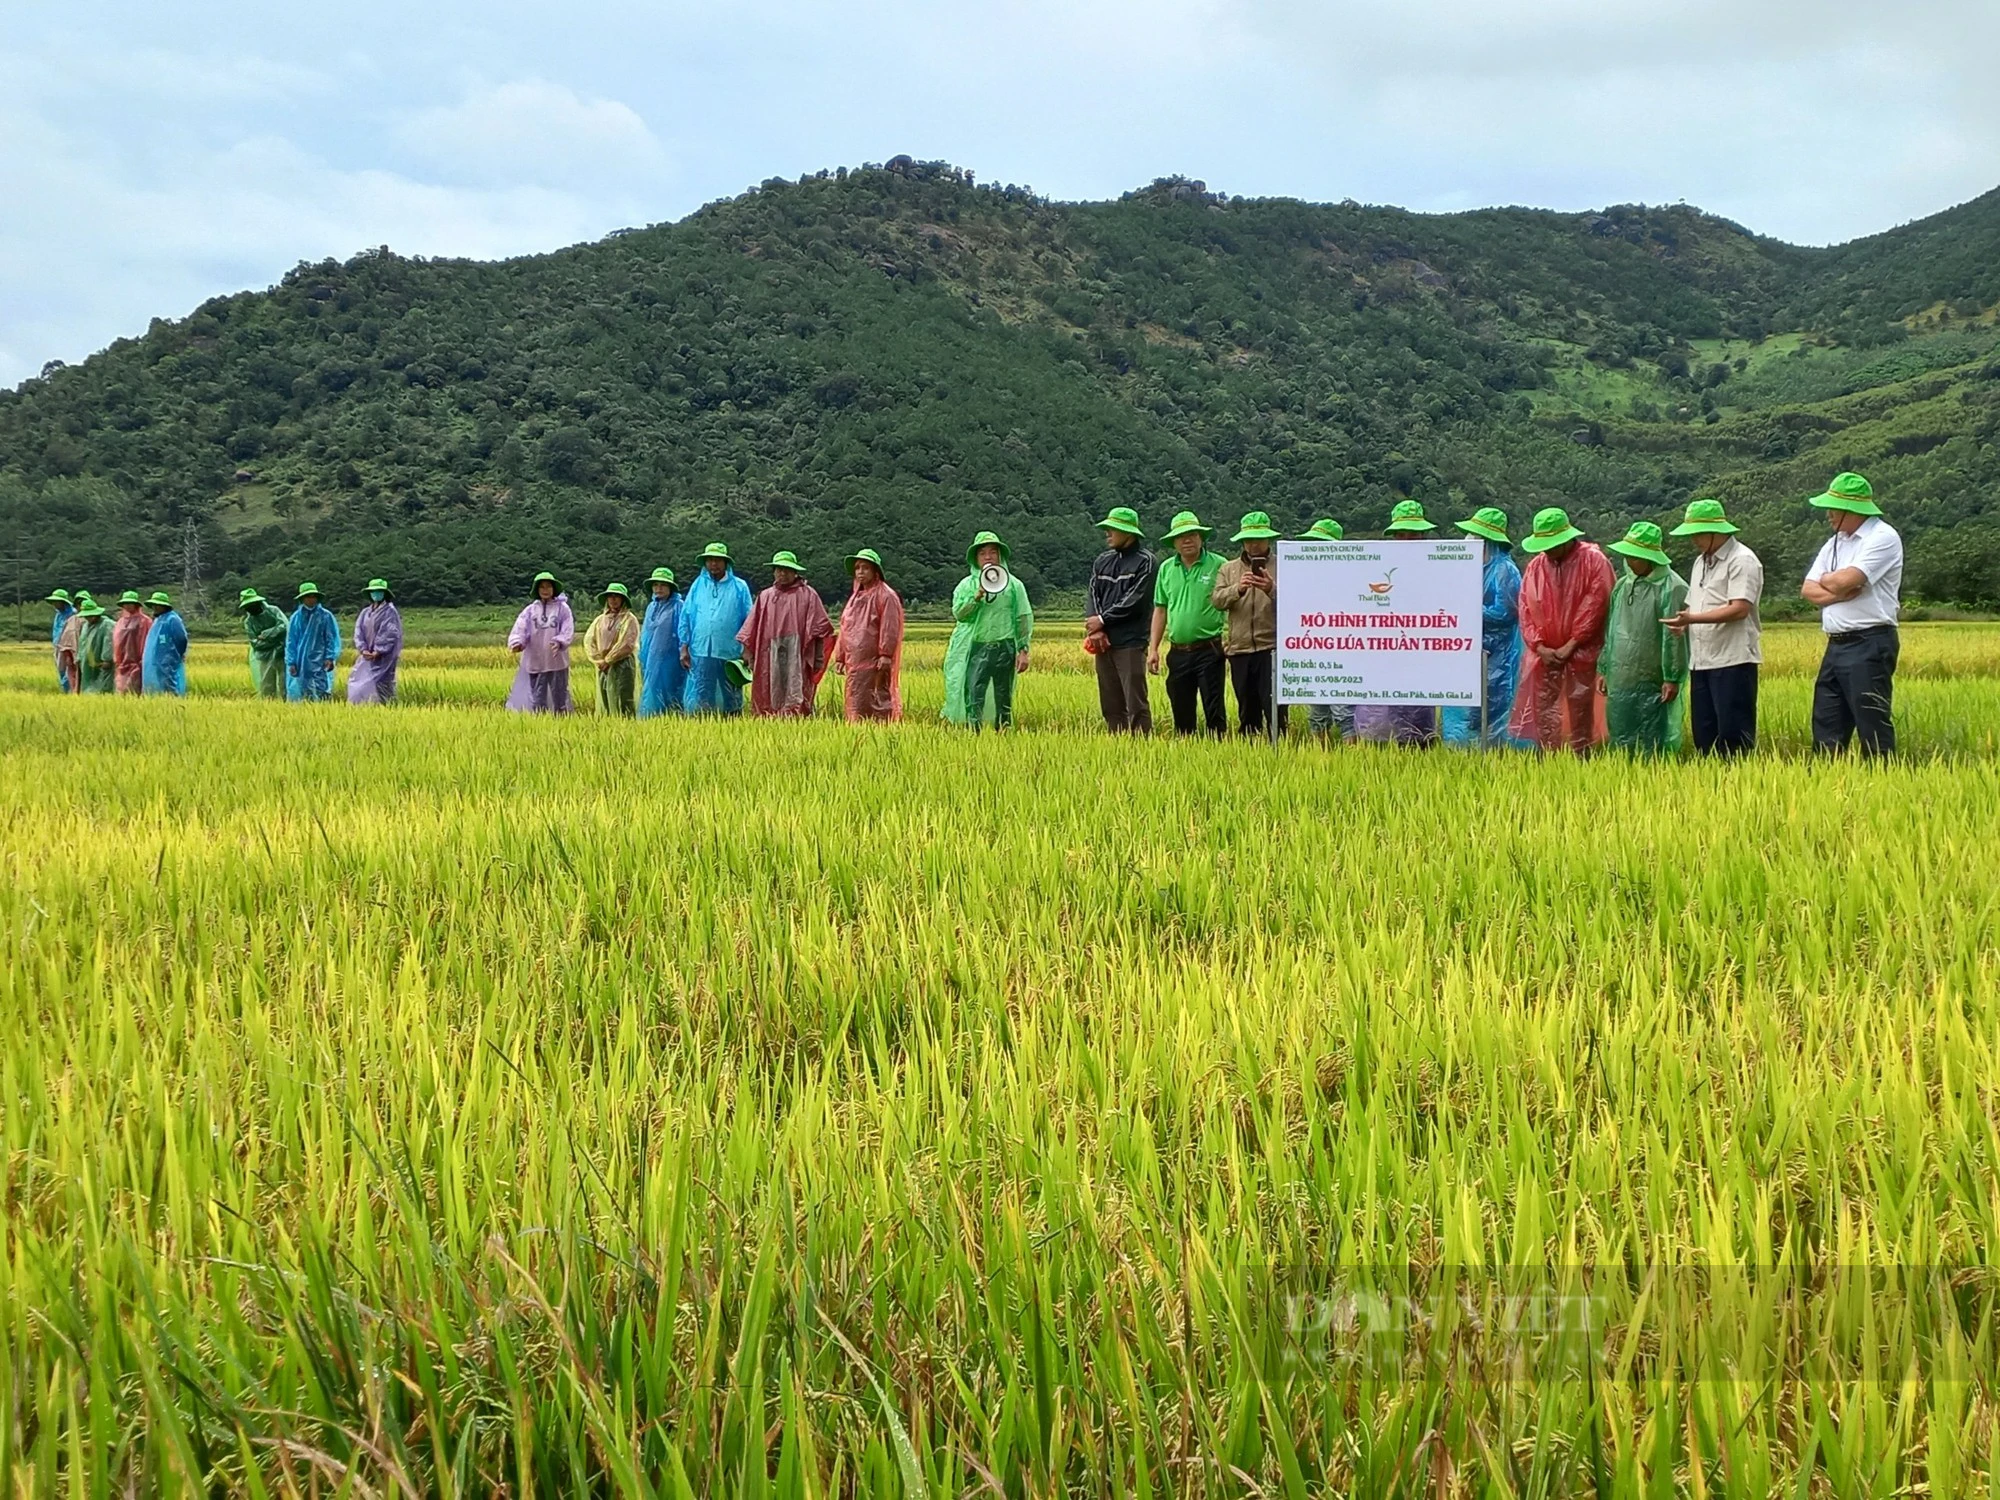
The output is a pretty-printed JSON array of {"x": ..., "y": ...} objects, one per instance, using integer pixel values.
[
  {"x": 1725, "y": 638},
  {"x": 1857, "y": 582}
]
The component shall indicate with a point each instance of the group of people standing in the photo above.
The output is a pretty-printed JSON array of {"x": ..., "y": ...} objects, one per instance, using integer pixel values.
[
  {"x": 292, "y": 656},
  {"x": 142, "y": 650},
  {"x": 1576, "y": 653},
  {"x": 696, "y": 652}
]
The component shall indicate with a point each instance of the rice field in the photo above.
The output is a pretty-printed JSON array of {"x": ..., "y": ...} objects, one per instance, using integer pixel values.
[{"x": 436, "y": 1101}]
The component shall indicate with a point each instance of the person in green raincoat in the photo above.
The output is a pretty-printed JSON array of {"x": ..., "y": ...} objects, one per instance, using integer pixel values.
[
  {"x": 1642, "y": 670},
  {"x": 998, "y": 629},
  {"x": 264, "y": 627},
  {"x": 93, "y": 650}
]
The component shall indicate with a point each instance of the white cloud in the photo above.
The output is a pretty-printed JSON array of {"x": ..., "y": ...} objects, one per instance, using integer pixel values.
[{"x": 537, "y": 132}]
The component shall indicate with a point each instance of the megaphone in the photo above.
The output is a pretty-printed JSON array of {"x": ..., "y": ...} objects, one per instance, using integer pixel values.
[{"x": 993, "y": 579}]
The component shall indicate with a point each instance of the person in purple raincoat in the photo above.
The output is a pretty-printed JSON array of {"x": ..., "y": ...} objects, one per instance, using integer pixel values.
[
  {"x": 541, "y": 638},
  {"x": 378, "y": 647}
]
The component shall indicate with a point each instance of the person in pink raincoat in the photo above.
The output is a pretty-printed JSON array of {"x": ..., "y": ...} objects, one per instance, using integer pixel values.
[
  {"x": 541, "y": 639},
  {"x": 869, "y": 649},
  {"x": 785, "y": 641},
  {"x": 1565, "y": 602},
  {"x": 128, "y": 641}
]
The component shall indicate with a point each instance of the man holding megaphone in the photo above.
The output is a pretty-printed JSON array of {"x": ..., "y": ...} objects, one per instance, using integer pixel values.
[{"x": 992, "y": 605}]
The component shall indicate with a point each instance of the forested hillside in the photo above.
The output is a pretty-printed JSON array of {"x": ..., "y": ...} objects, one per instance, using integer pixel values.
[{"x": 897, "y": 356}]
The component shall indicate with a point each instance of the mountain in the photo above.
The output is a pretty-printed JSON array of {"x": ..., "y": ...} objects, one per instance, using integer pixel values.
[{"x": 897, "y": 356}]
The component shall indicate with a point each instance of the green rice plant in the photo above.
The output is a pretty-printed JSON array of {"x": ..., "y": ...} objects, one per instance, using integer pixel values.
[{"x": 437, "y": 1101}]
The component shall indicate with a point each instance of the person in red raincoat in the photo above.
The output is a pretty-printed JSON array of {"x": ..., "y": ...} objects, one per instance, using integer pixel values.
[
  {"x": 128, "y": 642},
  {"x": 869, "y": 649},
  {"x": 785, "y": 641},
  {"x": 1565, "y": 600}
]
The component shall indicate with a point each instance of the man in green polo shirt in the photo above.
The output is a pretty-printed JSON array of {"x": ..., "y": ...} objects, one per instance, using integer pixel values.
[{"x": 1184, "y": 613}]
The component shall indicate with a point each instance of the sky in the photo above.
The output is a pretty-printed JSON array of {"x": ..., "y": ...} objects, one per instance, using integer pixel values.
[{"x": 153, "y": 155}]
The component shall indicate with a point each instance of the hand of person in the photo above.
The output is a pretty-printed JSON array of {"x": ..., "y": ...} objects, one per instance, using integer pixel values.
[
  {"x": 883, "y": 663},
  {"x": 687, "y": 659},
  {"x": 1093, "y": 624},
  {"x": 1020, "y": 661},
  {"x": 1548, "y": 656},
  {"x": 1669, "y": 691},
  {"x": 1603, "y": 688},
  {"x": 329, "y": 664},
  {"x": 1564, "y": 653},
  {"x": 839, "y": 666},
  {"x": 1257, "y": 581},
  {"x": 1677, "y": 622},
  {"x": 1153, "y": 661},
  {"x": 517, "y": 650}
]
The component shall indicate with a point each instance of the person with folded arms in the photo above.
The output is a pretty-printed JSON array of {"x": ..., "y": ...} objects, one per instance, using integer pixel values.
[{"x": 1856, "y": 582}]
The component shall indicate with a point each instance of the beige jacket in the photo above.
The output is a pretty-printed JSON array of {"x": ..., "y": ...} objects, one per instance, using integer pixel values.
[{"x": 1253, "y": 614}]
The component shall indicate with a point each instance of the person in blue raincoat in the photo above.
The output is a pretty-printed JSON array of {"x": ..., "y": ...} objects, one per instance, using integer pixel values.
[
  {"x": 717, "y": 604},
  {"x": 163, "y": 668},
  {"x": 662, "y": 678},
  {"x": 1501, "y": 611},
  {"x": 312, "y": 646},
  {"x": 65, "y": 612}
]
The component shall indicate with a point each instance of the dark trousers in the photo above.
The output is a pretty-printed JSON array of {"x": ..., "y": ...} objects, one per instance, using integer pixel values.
[
  {"x": 1855, "y": 692},
  {"x": 991, "y": 666},
  {"x": 1121, "y": 690},
  {"x": 1722, "y": 701},
  {"x": 1191, "y": 670},
  {"x": 1250, "y": 675}
]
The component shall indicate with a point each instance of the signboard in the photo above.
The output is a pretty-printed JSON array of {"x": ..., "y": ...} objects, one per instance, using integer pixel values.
[{"x": 1392, "y": 623}]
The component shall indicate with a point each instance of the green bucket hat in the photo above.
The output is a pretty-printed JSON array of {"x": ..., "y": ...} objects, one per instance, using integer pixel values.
[
  {"x": 666, "y": 576},
  {"x": 91, "y": 609},
  {"x": 1552, "y": 529},
  {"x": 1409, "y": 516},
  {"x": 130, "y": 596},
  {"x": 1326, "y": 529},
  {"x": 867, "y": 555},
  {"x": 382, "y": 584},
  {"x": 60, "y": 596},
  {"x": 615, "y": 588},
  {"x": 1185, "y": 522},
  {"x": 1703, "y": 515},
  {"x": 738, "y": 672},
  {"x": 535, "y": 587},
  {"x": 1848, "y": 492},
  {"x": 1255, "y": 527},
  {"x": 247, "y": 598},
  {"x": 1490, "y": 522},
  {"x": 1643, "y": 540},
  {"x": 308, "y": 588},
  {"x": 987, "y": 539},
  {"x": 1122, "y": 518},
  {"x": 160, "y": 600},
  {"x": 716, "y": 549},
  {"x": 787, "y": 559}
]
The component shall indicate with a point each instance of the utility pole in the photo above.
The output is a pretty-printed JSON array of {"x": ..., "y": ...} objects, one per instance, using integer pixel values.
[
  {"x": 192, "y": 603},
  {"x": 18, "y": 566}
]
